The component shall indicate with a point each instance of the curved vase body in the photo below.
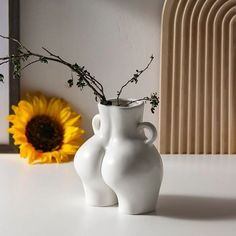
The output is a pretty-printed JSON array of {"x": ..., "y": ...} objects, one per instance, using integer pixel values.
[
  {"x": 120, "y": 156},
  {"x": 88, "y": 163}
]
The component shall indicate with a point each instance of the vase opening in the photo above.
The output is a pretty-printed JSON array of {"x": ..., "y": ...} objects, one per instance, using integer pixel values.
[{"x": 125, "y": 103}]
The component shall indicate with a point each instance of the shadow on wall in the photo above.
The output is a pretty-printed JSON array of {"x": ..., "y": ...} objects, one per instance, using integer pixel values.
[
  {"x": 151, "y": 9},
  {"x": 196, "y": 208}
]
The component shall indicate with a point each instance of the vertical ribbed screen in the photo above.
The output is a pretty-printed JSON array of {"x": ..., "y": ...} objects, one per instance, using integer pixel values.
[{"x": 198, "y": 77}]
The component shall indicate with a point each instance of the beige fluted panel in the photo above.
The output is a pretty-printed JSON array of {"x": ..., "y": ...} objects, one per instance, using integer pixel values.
[
  {"x": 176, "y": 76},
  {"x": 220, "y": 125},
  {"x": 201, "y": 84},
  {"x": 217, "y": 59},
  {"x": 208, "y": 77},
  {"x": 200, "y": 53},
  {"x": 198, "y": 85},
  {"x": 185, "y": 41},
  {"x": 232, "y": 86},
  {"x": 225, "y": 128},
  {"x": 166, "y": 71}
]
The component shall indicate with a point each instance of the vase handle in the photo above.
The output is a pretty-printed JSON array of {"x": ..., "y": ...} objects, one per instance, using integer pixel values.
[
  {"x": 152, "y": 129},
  {"x": 96, "y": 123}
]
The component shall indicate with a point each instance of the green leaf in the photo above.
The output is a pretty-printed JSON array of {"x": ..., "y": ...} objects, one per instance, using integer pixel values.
[
  {"x": 70, "y": 82},
  {"x": 25, "y": 58},
  {"x": 154, "y": 101},
  {"x": 80, "y": 83},
  {"x": 43, "y": 60},
  {"x": 2, "y": 78},
  {"x": 16, "y": 75}
]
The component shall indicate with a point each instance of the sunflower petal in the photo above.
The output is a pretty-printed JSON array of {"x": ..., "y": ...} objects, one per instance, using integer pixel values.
[
  {"x": 65, "y": 115},
  {"x": 73, "y": 121},
  {"x": 55, "y": 109}
]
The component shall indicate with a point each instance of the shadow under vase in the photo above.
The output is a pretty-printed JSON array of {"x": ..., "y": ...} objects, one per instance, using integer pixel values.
[{"x": 196, "y": 207}]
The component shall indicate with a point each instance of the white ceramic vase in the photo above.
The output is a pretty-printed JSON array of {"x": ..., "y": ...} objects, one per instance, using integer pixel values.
[{"x": 119, "y": 162}]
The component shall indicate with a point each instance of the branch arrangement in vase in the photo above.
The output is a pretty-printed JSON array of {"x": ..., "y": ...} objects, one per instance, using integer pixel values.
[{"x": 26, "y": 57}]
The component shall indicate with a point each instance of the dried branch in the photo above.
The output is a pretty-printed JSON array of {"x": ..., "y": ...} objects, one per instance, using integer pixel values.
[
  {"x": 84, "y": 78},
  {"x": 16, "y": 41},
  {"x": 25, "y": 54},
  {"x": 51, "y": 54},
  {"x": 153, "y": 100},
  {"x": 133, "y": 79},
  {"x": 33, "y": 62},
  {"x": 6, "y": 61}
]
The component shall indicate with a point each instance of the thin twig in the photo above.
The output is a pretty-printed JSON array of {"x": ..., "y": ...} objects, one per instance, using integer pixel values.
[
  {"x": 51, "y": 54},
  {"x": 85, "y": 79},
  {"x": 58, "y": 59},
  {"x": 133, "y": 79},
  {"x": 16, "y": 41},
  {"x": 96, "y": 83},
  {"x": 4, "y": 62},
  {"x": 14, "y": 56},
  {"x": 33, "y": 62},
  {"x": 87, "y": 75}
]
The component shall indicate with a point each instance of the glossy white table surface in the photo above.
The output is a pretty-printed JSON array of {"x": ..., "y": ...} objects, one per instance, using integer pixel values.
[{"x": 198, "y": 197}]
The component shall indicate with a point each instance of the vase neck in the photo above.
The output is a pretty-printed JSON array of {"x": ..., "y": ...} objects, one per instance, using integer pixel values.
[{"x": 120, "y": 122}]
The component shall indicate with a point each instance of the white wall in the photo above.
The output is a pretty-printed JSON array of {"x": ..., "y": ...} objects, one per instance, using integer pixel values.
[
  {"x": 4, "y": 88},
  {"x": 112, "y": 38}
]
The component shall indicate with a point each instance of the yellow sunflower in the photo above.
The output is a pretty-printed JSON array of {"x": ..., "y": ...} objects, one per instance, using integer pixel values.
[{"x": 46, "y": 130}]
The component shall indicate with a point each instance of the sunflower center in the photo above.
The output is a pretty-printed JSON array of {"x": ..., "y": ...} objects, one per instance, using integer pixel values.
[{"x": 44, "y": 133}]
